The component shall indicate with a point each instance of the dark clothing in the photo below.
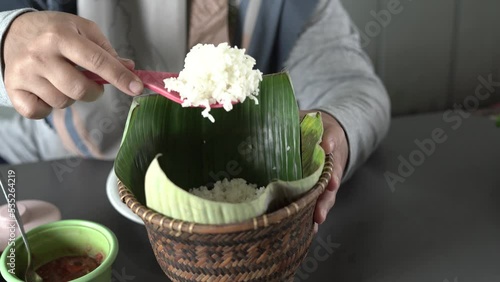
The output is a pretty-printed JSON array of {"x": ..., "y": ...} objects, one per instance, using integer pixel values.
[{"x": 68, "y": 6}]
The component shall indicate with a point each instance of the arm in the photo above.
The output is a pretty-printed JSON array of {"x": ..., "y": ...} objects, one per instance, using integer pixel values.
[
  {"x": 39, "y": 54},
  {"x": 331, "y": 73},
  {"x": 6, "y": 19},
  {"x": 40, "y": 51}
]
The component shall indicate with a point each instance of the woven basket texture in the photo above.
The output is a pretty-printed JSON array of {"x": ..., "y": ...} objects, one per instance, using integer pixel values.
[{"x": 268, "y": 248}]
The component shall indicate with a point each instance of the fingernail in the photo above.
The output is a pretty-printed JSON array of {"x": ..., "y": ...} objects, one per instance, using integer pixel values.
[
  {"x": 136, "y": 87},
  {"x": 127, "y": 62}
]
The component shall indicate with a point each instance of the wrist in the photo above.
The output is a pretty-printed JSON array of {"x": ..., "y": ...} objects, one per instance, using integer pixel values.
[{"x": 8, "y": 23}]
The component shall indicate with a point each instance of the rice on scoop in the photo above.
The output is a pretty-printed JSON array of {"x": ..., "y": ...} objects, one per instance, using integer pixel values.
[
  {"x": 229, "y": 191},
  {"x": 216, "y": 74}
]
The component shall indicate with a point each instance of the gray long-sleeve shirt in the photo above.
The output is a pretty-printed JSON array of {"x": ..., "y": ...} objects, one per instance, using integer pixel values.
[
  {"x": 332, "y": 73},
  {"x": 329, "y": 70}
]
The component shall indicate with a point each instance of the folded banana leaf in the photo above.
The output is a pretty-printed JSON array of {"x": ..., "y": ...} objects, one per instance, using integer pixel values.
[{"x": 167, "y": 150}]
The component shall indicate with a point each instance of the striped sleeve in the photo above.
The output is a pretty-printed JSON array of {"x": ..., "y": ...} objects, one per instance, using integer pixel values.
[{"x": 71, "y": 129}]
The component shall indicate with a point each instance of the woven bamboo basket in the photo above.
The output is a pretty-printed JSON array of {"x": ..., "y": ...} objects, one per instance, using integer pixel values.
[{"x": 267, "y": 248}]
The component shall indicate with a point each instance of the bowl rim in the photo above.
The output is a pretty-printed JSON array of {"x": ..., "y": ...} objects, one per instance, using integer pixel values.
[
  {"x": 105, "y": 264},
  {"x": 150, "y": 216}
]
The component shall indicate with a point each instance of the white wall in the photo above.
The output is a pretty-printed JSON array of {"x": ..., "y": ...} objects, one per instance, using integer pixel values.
[{"x": 431, "y": 53}]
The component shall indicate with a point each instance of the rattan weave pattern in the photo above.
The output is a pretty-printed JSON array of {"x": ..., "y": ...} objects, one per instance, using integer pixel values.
[{"x": 267, "y": 248}]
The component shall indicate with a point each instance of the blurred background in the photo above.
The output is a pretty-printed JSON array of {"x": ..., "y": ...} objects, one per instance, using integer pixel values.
[{"x": 429, "y": 54}]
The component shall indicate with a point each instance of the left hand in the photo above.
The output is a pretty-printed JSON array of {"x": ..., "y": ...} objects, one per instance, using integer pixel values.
[{"x": 334, "y": 141}]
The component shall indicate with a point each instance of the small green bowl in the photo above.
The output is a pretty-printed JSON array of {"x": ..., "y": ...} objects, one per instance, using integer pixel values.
[{"x": 63, "y": 238}]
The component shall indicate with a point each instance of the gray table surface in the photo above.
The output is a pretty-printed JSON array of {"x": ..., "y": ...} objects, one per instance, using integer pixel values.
[{"x": 442, "y": 224}]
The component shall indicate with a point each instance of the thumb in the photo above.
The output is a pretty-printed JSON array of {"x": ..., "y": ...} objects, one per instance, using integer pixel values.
[{"x": 328, "y": 143}]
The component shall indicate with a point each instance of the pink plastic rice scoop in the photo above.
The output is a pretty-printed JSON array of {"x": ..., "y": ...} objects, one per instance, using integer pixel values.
[{"x": 152, "y": 80}]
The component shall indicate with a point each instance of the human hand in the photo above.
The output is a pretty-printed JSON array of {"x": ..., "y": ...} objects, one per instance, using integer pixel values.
[
  {"x": 334, "y": 141},
  {"x": 41, "y": 51}
]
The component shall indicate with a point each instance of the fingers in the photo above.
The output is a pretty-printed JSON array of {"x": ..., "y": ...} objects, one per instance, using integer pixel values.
[
  {"x": 328, "y": 141},
  {"x": 129, "y": 64},
  {"x": 335, "y": 180},
  {"x": 40, "y": 63},
  {"x": 334, "y": 142},
  {"x": 70, "y": 81},
  {"x": 87, "y": 54},
  {"x": 48, "y": 93},
  {"x": 29, "y": 105},
  {"x": 91, "y": 30},
  {"x": 327, "y": 200},
  {"x": 324, "y": 204}
]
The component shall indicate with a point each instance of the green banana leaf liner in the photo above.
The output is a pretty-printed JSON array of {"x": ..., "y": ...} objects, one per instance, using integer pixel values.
[{"x": 168, "y": 149}]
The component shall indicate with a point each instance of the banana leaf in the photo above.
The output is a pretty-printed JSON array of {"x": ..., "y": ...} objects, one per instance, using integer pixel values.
[
  {"x": 258, "y": 143},
  {"x": 167, "y": 150},
  {"x": 167, "y": 198}
]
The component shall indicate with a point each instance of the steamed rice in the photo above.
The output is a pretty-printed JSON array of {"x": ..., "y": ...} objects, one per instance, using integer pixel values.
[
  {"x": 216, "y": 74},
  {"x": 230, "y": 191}
]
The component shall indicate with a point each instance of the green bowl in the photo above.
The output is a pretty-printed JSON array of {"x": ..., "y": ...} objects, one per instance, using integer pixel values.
[{"x": 63, "y": 238}]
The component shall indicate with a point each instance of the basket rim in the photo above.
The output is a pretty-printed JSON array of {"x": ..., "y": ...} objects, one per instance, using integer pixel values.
[{"x": 164, "y": 222}]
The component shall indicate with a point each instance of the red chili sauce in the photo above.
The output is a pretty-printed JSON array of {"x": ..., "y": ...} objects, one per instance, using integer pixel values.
[{"x": 68, "y": 268}]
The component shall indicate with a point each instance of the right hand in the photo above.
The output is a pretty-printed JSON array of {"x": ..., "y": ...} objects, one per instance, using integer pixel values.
[{"x": 41, "y": 52}]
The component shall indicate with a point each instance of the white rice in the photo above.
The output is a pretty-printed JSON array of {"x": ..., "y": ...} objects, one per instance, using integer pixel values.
[
  {"x": 216, "y": 74},
  {"x": 230, "y": 191}
]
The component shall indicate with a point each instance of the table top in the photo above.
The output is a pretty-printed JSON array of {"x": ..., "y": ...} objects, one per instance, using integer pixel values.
[{"x": 424, "y": 207}]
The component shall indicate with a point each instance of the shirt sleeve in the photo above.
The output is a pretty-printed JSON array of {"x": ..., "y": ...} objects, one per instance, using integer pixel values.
[
  {"x": 331, "y": 73},
  {"x": 6, "y": 19}
]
